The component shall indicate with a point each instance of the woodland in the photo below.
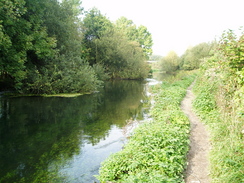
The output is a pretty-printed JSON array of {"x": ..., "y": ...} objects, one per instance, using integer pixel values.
[{"x": 49, "y": 47}]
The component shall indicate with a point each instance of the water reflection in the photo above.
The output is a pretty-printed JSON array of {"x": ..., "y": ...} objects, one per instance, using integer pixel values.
[
  {"x": 162, "y": 76},
  {"x": 65, "y": 139}
]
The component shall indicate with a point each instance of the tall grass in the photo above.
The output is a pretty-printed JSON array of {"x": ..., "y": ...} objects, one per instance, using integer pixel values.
[{"x": 218, "y": 105}]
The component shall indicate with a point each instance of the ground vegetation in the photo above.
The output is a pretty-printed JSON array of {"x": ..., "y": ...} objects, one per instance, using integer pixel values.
[{"x": 219, "y": 103}]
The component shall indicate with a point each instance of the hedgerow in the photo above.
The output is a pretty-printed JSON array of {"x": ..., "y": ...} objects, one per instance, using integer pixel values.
[{"x": 219, "y": 103}]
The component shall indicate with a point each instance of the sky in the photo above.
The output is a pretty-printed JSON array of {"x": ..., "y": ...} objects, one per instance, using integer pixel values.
[{"x": 176, "y": 24}]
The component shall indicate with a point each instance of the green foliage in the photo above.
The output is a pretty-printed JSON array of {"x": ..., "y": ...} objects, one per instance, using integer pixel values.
[
  {"x": 69, "y": 79},
  {"x": 219, "y": 103},
  {"x": 226, "y": 161},
  {"x": 41, "y": 51},
  {"x": 193, "y": 57},
  {"x": 170, "y": 63},
  {"x": 45, "y": 48},
  {"x": 22, "y": 35},
  {"x": 94, "y": 26},
  {"x": 144, "y": 38},
  {"x": 100, "y": 72},
  {"x": 110, "y": 46},
  {"x": 133, "y": 33},
  {"x": 123, "y": 58},
  {"x": 127, "y": 27},
  {"x": 232, "y": 48},
  {"x": 205, "y": 102},
  {"x": 156, "y": 151},
  {"x": 111, "y": 51}
]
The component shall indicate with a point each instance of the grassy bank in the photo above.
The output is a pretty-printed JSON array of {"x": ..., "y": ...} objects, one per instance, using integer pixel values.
[
  {"x": 156, "y": 151},
  {"x": 218, "y": 103}
]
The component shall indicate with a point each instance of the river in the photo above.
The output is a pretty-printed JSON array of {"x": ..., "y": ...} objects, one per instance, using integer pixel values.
[{"x": 55, "y": 139}]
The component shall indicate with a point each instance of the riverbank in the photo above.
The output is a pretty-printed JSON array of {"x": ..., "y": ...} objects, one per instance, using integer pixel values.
[
  {"x": 156, "y": 151},
  {"x": 75, "y": 134}
]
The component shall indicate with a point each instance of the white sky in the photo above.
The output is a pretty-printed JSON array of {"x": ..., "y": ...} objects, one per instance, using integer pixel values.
[{"x": 176, "y": 24}]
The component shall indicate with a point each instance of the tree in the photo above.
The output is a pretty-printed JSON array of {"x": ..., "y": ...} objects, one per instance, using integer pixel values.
[
  {"x": 94, "y": 26},
  {"x": 192, "y": 57},
  {"x": 45, "y": 48},
  {"x": 232, "y": 47},
  {"x": 67, "y": 72},
  {"x": 41, "y": 50},
  {"x": 120, "y": 57},
  {"x": 127, "y": 27},
  {"x": 140, "y": 34},
  {"x": 111, "y": 48},
  {"x": 144, "y": 38},
  {"x": 22, "y": 37},
  {"x": 171, "y": 62}
]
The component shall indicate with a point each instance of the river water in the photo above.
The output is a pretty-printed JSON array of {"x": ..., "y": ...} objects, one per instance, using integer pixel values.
[{"x": 54, "y": 139}]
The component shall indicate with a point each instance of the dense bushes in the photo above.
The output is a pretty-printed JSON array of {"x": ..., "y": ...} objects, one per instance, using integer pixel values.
[
  {"x": 170, "y": 63},
  {"x": 156, "y": 151},
  {"x": 121, "y": 48},
  {"x": 219, "y": 103},
  {"x": 190, "y": 60},
  {"x": 46, "y": 48},
  {"x": 193, "y": 57}
]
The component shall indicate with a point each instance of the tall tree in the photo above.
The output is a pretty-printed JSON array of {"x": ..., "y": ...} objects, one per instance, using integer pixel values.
[
  {"x": 127, "y": 27},
  {"x": 22, "y": 35},
  {"x": 67, "y": 72},
  {"x": 144, "y": 38},
  {"x": 121, "y": 57},
  {"x": 139, "y": 34},
  {"x": 95, "y": 25},
  {"x": 41, "y": 47},
  {"x": 171, "y": 62},
  {"x": 192, "y": 57}
]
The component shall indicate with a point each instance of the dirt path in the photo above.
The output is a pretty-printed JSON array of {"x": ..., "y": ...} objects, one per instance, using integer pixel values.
[{"x": 198, "y": 163}]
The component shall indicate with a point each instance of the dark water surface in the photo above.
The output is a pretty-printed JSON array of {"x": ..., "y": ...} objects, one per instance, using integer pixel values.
[{"x": 65, "y": 139}]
